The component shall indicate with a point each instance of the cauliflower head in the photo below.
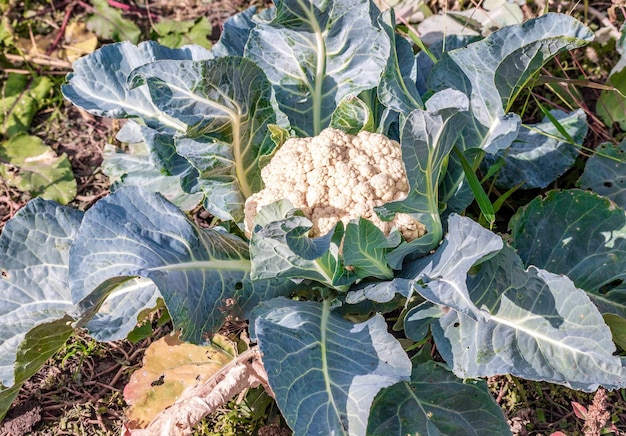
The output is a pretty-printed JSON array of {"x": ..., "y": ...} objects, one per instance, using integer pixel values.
[{"x": 335, "y": 177}]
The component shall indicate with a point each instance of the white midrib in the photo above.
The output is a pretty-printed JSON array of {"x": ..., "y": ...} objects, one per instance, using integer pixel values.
[
  {"x": 535, "y": 334},
  {"x": 381, "y": 265},
  {"x": 320, "y": 68},
  {"x": 403, "y": 85},
  {"x": 319, "y": 79},
  {"x": 323, "y": 330},
  {"x": 237, "y": 146},
  {"x": 464, "y": 295},
  {"x": 411, "y": 393},
  {"x": 240, "y": 170},
  {"x": 431, "y": 168},
  {"x": 163, "y": 118},
  {"x": 242, "y": 265}
]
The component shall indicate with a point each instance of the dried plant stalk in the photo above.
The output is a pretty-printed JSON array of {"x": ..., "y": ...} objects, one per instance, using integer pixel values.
[{"x": 246, "y": 371}]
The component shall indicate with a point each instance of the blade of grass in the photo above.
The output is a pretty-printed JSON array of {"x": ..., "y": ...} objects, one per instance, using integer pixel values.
[
  {"x": 497, "y": 205},
  {"x": 494, "y": 169},
  {"x": 477, "y": 189},
  {"x": 408, "y": 30},
  {"x": 542, "y": 80}
]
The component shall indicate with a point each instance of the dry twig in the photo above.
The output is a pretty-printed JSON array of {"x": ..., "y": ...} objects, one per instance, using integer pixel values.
[{"x": 246, "y": 371}]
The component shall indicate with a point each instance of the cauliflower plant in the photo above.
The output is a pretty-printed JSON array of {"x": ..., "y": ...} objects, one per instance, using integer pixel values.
[{"x": 336, "y": 176}]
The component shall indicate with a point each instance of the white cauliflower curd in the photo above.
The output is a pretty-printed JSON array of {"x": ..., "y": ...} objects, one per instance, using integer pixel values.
[{"x": 336, "y": 176}]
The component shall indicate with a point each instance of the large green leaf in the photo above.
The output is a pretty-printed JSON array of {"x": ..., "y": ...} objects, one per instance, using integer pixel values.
[
  {"x": 42, "y": 173},
  {"x": 617, "y": 325},
  {"x": 7, "y": 395},
  {"x": 117, "y": 316},
  {"x": 487, "y": 127},
  {"x": 424, "y": 63},
  {"x": 225, "y": 104},
  {"x": 427, "y": 137},
  {"x": 328, "y": 50},
  {"x": 324, "y": 370},
  {"x": 99, "y": 85},
  {"x": 34, "y": 291},
  {"x": 540, "y": 327},
  {"x": 199, "y": 272},
  {"x": 436, "y": 402},
  {"x": 493, "y": 71},
  {"x": 579, "y": 234},
  {"x": 605, "y": 172},
  {"x": 535, "y": 324}
]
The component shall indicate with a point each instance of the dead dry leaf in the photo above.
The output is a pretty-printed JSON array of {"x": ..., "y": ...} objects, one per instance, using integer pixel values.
[
  {"x": 170, "y": 368},
  {"x": 77, "y": 42},
  {"x": 244, "y": 372}
]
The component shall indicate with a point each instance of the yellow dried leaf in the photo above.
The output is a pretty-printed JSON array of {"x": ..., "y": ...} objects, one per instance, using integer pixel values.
[
  {"x": 78, "y": 42},
  {"x": 170, "y": 367}
]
